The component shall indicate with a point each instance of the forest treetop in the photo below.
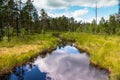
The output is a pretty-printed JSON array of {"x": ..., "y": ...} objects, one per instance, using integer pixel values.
[{"x": 18, "y": 19}]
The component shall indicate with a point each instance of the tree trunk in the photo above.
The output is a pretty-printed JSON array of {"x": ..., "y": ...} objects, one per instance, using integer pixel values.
[
  {"x": 1, "y": 28},
  {"x": 8, "y": 35},
  {"x": 17, "y": 28}
]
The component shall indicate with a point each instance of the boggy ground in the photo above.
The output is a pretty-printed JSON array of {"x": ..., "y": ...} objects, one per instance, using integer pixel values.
[
  {"x": 104, "y": 50},
  {"x": 21, "y": 49}
]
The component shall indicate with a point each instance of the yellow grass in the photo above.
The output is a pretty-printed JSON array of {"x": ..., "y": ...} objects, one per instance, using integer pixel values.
[
  {"x": 18, "y": 49},
  {"x": 22, "y": 51},
  {"x": 104, "y": 50}
]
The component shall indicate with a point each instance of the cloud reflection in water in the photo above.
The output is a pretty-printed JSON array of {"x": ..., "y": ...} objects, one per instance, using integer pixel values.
[{"x": 64, "y": 64}]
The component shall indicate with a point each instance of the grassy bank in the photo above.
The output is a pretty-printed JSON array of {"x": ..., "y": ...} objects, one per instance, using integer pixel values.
[
  {"x": 104, "y": 50},
  {"x": 21, "y": 49}
]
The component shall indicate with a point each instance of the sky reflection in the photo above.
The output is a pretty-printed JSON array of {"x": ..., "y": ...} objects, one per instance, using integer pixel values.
[
  {"x": 67, "y": 64},
  {"x": 68, "y": 49}
]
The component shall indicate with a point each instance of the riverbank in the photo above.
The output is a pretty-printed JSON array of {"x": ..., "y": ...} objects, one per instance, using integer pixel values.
[
  {"x": 21, "y": 49},
  {"x": 104, "y": 50}
]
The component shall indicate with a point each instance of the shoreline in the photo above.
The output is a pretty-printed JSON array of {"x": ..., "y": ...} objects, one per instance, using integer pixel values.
[
  {"x": 44, "y": 51},
  {"x": 82, "y": 45},
  {"x": 93, "y": 63},
  {"x": 18, "y": 55},
  {"x": 103, "y": 51}
]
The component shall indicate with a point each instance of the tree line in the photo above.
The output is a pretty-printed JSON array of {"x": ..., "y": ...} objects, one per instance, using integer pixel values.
[
  {"x": 107, "y": 27},
  {"x": 19, "y": 19}
]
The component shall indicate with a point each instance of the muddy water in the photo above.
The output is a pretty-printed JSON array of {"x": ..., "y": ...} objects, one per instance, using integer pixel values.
[{"x": 64, "y": 63}]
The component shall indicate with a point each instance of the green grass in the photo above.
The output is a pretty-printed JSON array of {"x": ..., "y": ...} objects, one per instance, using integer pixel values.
[
  {"x": 104, "y": 50},
  {"x": 22, "y": 49}
]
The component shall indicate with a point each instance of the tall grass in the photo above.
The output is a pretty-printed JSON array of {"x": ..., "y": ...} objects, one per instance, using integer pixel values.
[
  {"x": 104, "y": 50},
  {"x": 20, "y": 50}
]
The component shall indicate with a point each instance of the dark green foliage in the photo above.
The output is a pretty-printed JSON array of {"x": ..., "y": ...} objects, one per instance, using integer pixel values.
[
  {"x": 2, "y": 4},
  {"x": 18, "y": 19},
  {"x": 107, "y": 27}
]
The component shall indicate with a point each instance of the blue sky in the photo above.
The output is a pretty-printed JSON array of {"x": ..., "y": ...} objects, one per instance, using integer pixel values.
[
  {"x": 101, "y": 12},
  {"x": 79, "y": 9}
]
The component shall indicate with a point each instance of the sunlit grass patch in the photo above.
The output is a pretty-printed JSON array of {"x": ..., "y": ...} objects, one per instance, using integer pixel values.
[
  {"x": 104, "y": 50},
  {"x": 23, "y": 50}
]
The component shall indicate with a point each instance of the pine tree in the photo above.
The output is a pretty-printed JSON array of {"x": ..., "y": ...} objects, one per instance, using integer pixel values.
[
  {"x": 2, "y": 3},
  {"x": 44, "y": 20}
]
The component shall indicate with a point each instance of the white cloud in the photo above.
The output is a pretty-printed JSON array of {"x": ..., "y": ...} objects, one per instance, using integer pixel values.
[
  {"x": 55, "y": 4},
  {"x": 50, "y": 5},
  {"x": 65, "y": 3},
  {"x": 76, "y": 14},
  {"x": 79, "y": 13}
]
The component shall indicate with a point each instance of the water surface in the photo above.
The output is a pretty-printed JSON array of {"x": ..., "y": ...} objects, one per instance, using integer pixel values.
[{"x": 64, "y": 63}]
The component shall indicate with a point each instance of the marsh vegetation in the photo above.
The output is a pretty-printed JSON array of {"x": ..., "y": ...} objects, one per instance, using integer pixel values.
[{"x": 25, "y": 32}]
